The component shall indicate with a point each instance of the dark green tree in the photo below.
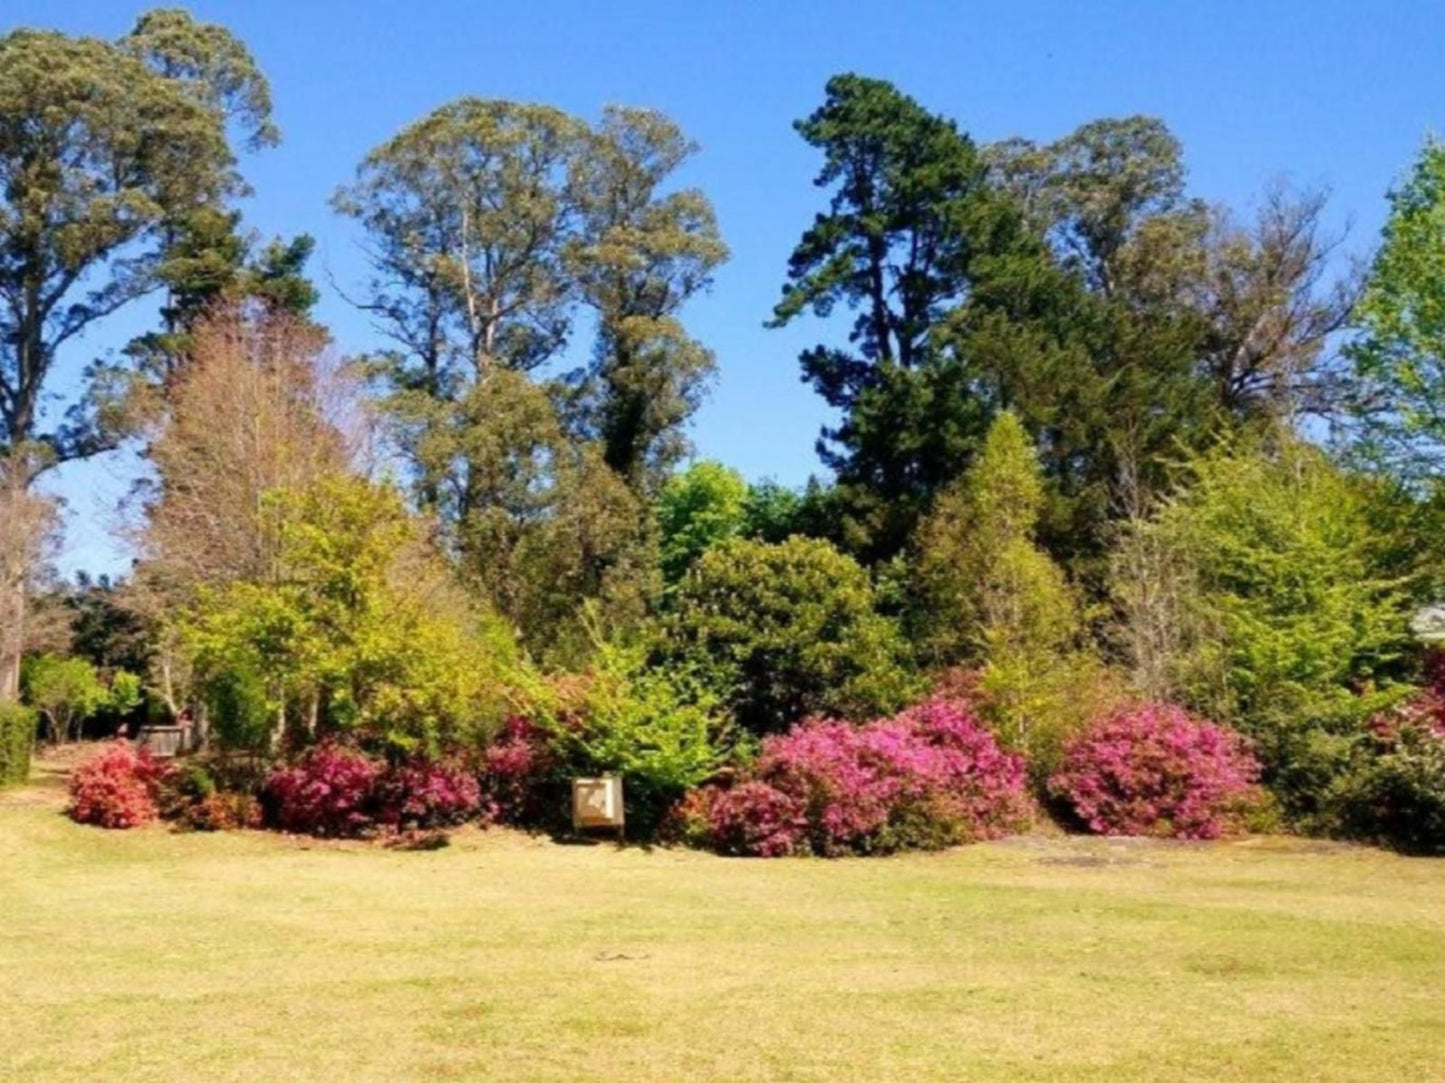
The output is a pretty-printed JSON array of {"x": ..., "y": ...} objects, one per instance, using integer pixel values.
[{"x": 640, "y": 255}]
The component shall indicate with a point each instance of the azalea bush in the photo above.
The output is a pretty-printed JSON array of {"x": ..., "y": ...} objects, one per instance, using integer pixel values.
[
  {"x": 118, "y": 788},
  {"x": 520, "y": 772},
  {"x": 1154, "y": 769},
  {"x": 423, "y": 794},
  {"x": 1394, "y": 791},
  {"x": 929, "y": 777},
  {"x": 329, "y": 791}
]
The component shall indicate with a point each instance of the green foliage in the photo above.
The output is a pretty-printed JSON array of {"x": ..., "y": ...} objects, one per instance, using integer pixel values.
[
  {"x": 784, "y": 631},
  {"x": 67, "y": 691},
  {"x": 705, "y": 504},
  {"x": 360, "y": 632},
  {"x": 17, "y": 739},
  {"x": 1400, "y": 352},
  {"x": 1304, "y": 631},
  {"x": 987, "y": 595},
  {"x": 910, "y": 217},
  {"x": 103, "y": 145},
  {"x": 658, "y": 727},
  {"x": 639, "y": 257}
]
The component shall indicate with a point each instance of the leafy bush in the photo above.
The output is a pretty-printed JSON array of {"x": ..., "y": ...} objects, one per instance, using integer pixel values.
[
  {"x": 1394, "y": 791},
  {"x": 118, "y": 788},
  {"x": 221, "y": 811},
  {"x": 329, "y": 791},
  {"x": 66, "y": 691},
  {"x": 783, "y": 632},
  {"x": 927, "y": 778},
  {"x": 1155, "y": 770},
  {"x": 423, "y": 794},
  {"x": 17, "y": 740},
  {"x": 658, "y": 728}
]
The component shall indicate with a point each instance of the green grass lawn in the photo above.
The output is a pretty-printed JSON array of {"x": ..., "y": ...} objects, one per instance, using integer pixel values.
[{"x": 148, "y": 955}]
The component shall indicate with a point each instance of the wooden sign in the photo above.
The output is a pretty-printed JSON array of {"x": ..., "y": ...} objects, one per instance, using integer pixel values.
[{"x": 597, "y": 802}]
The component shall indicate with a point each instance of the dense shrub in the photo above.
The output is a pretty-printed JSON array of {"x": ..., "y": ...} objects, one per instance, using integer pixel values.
[
  {"x": 118, "y": 788},
  {"x": 17, "y": 740},
  {"x": 783, "y": 632},
  {"x": 424, "y": 794},
  {"x": 223, "y": 810},
  {"x": 926, "y": 778},
  {"x": 1153, "y": 769},
  {"x": 1394, "y": 790},
  {"x": 329, "y": 791},
  {"x": 518, "y": 767}
]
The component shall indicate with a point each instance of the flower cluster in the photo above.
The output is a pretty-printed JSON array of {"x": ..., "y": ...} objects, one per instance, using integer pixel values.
[
  {"x": 513, "y": 767},
  {"x": 928, "y": 777},
  {"x": 424, "y": 794},
  {"x": 328, "y": 791},
  {"x": 118, "y": 788},
  {"x": 1152, "y": 769}
]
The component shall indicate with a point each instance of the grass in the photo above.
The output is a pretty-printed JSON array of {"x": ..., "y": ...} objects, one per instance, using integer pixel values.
[{"x": 148, "y": 955}]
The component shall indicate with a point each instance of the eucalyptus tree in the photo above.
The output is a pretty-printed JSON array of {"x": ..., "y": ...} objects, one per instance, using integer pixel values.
[
  {"x": 639, "y": 256},
  {"x": 103, "y": 147}
]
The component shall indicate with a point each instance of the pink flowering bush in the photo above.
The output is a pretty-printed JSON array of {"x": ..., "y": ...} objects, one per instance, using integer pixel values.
[
  {"x": 1152, "y": 769},
  {"x": 119, "y": 788},
  {"x": 516, "y": 767},
  {"x": 927, "y": 778},
  {"x": 328, "y": 792},
  {"x": 424, "y": 794}
]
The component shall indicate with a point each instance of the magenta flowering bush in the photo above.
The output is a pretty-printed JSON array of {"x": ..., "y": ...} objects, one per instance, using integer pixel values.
[
  {"x": 926, "y": 778},
  {"x": 425, "y": 794},
  {"x": 515, "y": 767},
  {"x": 1153, "y": 769},
  {"x": 327, "y": 792}
]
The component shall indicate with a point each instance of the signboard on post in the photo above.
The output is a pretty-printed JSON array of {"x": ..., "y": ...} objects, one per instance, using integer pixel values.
[{"x": 597, "y": 802}]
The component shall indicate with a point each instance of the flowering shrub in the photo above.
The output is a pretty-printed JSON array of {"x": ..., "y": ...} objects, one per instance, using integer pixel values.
[
  {"x": 1152, "y": 769},
  {"x": 926, "y": 778},
  {"x": 757, "y": 818},
  {"x": 423, "y": 794},
  {"x": 221, "y": 811},
  {"x": 118, "y": 788},
  {"x": 329, "y": 791},
  {"x": 514, "y": 766},
  {"x": 1394, "y": 791}
]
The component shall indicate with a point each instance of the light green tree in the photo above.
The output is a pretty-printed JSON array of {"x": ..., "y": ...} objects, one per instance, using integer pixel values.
[
  {"x": 66, "y": 691},
  {"x": 1399, "y": 355},
  {"x": 989, "y": 596}
]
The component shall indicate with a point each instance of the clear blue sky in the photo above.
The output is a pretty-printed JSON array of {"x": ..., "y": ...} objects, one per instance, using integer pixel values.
[{"x": 1327, "y": 93}]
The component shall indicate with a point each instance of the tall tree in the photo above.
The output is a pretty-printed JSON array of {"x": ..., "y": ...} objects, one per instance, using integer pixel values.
[
  {"x": 911, "y": 217},
  {"x": 100, "y": 151},
  {"x": 1399, "y": 354},
  {"x": 639, "y": 257}
]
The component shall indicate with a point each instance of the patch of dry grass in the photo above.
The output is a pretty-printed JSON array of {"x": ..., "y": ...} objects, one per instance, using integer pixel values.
[{"x": 154, "y": 956}]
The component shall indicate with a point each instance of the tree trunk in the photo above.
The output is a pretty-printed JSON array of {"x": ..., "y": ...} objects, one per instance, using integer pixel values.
[{"x": 12, "y": 639}]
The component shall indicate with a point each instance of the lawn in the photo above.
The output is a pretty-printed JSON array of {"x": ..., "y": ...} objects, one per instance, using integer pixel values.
[{"x": 148, "y": 955}]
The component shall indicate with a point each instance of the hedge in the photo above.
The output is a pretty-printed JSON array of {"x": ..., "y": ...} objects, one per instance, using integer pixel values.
[{"x": 17, "y": 738}]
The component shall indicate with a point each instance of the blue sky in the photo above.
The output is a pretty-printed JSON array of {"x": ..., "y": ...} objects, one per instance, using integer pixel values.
[{"x": 1323, "y": 93}]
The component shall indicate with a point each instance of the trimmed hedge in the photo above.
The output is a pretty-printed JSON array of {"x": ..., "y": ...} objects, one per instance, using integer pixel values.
[{"x": 17, "y": 739}]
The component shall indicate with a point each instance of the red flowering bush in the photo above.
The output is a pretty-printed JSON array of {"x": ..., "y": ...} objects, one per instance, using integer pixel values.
[
  {"x": 926, "y": 778},
  {"x": 514, "y": 767},
  {"x": 118, "y": 788},
  {"x": 1152, "y": 769},
  {"x": 425, "y": 794},
  {"x": 329, "y": 792},
  {"x": 758, "y": 819}
]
